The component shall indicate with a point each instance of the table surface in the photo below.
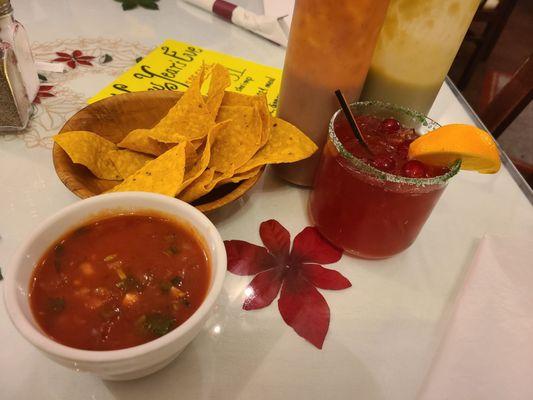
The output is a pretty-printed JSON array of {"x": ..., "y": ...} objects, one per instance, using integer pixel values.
[{"x": 384, "y": 330}]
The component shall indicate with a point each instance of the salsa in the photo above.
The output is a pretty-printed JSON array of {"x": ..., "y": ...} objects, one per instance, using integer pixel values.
[
  {"x": 119, "y": 281},
  {"x": 364, "y": 215}
]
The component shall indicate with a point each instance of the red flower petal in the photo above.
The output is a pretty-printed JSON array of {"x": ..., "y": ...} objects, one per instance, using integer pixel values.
[
  {"x": 247, "y": 259},
  {"x": 66, "y": 55},
  {"x": 304, "y": 309},
  {"x": 85, "y": 58},
  {"x": 263, "y": 289},
  {"x": 324, "y": 278},
  {"x": 76, "y": 53},
  {"x": 276, "y": 239},
  {"x": 84, "y": 62},
  {"x": 71, "y": 64},
  {"x": 310, "y": 247},
  {"x": 46, "y": 94},
  {"x": 45, "y": 88},
  {"x": 62, "y": 59},
  {"x": 37, "y": 100}
]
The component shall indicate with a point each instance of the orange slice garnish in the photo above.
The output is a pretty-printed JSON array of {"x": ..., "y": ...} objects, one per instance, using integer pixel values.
[{"x": 476, "y": 148}]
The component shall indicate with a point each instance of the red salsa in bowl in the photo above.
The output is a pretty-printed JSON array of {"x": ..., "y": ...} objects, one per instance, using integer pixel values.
[{"x": 119, "y": 281}]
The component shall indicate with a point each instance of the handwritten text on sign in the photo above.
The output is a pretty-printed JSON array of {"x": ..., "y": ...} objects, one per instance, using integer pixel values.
[{"x": 172, "y": 65}]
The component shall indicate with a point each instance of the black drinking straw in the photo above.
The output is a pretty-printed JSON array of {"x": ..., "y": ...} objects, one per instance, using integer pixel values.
[{"x": 351, "y": 119}]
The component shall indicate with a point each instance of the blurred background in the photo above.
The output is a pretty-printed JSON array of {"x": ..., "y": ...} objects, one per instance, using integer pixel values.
[{"x": 494, "y": 71}]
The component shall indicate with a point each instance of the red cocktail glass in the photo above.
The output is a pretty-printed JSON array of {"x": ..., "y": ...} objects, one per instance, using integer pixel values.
[{"x": 363, "y": 210}]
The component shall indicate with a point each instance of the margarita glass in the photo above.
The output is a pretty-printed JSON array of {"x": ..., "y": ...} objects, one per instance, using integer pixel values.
[{"x": 367, "y": 211}]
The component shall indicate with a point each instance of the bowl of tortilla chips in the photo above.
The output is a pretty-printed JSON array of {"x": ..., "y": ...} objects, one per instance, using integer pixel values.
[{"x": 205, "y": 150}]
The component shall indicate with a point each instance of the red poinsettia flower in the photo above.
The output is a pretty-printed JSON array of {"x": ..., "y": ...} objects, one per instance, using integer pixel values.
[
  {"x": 297, "y": 273},
  {"x": 73, "y": 59},
  {"x": 44, "y": 91}
]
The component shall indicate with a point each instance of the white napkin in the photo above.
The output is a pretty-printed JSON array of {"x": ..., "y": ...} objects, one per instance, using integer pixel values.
[
  {"x": 266, "y": 26},
  {"x": 487, "y": 351},
  {"x": 49, "y": 66},
  {"x": 280, "y": 9}
]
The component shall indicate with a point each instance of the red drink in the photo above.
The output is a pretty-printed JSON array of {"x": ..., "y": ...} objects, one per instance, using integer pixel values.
[{"x": 373, "y": 205}]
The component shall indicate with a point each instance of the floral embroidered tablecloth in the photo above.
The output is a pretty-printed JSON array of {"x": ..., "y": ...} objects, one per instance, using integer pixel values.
[{"x": 63, "y": 94}]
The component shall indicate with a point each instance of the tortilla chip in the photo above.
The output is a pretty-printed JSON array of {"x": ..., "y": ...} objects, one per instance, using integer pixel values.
[
  {"x": 145, "y": 143},
  {"x": 239, "y": 177},
  {"x": 260, "y": 101},
  {"x": 171, "y": 138},
  {"x": 191, "y": 155},
  {"x": 128, "y": 162},
  {"x": 140, "y": 140},
  {"x": 197, "y": 143},
  {"x": 189, "y": 119},
  {"x": 286, "y": 144},
  {"x": 211, "y": 179},
  {"x": 203, "y": 161},
  {"x": 238, "y": 140},
  {"x": 219, "y": 82},
  {"x": 163, "y": 175},
  {"x": 90, "y": 150},
  {"x": 190, "y": 150},
  {"x": 199, "y": 187},
  {"x": 239, "y": 99},
  {"x": 262, "y": 106}
]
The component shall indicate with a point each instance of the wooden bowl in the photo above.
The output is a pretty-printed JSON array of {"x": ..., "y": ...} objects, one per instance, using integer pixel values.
[{"x": 113, "y": 118}]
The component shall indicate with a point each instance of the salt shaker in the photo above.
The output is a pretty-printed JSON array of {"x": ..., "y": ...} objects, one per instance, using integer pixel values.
[{"x": 19, "y": 81}]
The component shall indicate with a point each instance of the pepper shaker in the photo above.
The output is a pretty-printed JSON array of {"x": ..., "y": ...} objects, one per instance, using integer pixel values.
[{"x": 19, "y": 81}]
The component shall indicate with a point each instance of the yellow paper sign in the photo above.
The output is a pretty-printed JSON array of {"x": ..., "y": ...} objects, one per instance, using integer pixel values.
[{"x": 172, "y": 65}]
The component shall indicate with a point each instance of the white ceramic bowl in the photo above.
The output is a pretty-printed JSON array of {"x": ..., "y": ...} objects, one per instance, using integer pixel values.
[{"x": 133, "y": 362}]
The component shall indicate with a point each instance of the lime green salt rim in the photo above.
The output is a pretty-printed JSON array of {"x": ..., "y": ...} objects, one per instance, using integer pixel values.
[{"x": 416, "y": 118}]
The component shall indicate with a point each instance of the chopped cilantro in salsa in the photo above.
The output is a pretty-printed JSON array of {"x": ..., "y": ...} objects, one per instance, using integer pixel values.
[
  {"x": 56, "y": 304},
  {"x": 158, "y": 324}
]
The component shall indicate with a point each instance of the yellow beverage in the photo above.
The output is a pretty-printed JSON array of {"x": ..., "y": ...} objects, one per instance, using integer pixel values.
[{"x": 415, "y": 50}]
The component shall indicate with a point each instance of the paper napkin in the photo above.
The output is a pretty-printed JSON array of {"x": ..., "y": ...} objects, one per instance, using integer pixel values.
[
  {"x": 487, "y": 351},
  {"x": 280, "y": 9}
]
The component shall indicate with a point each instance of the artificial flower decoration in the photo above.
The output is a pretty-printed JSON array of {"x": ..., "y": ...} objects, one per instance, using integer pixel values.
[
  {"x": 44, "y": 91},
  {"x": 297, "y": 273},
  {"x": 76, "y": 58}
]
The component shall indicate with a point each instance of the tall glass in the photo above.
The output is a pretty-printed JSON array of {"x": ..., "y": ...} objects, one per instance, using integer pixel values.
[
  {"x": 365, "y": 211},
  {"x": 415, "y": 49},
  {"x": 330, "y": 47}
]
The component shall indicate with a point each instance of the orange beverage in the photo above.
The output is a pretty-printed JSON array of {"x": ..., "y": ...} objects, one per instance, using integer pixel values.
[{"x": 330, "y": 47}]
